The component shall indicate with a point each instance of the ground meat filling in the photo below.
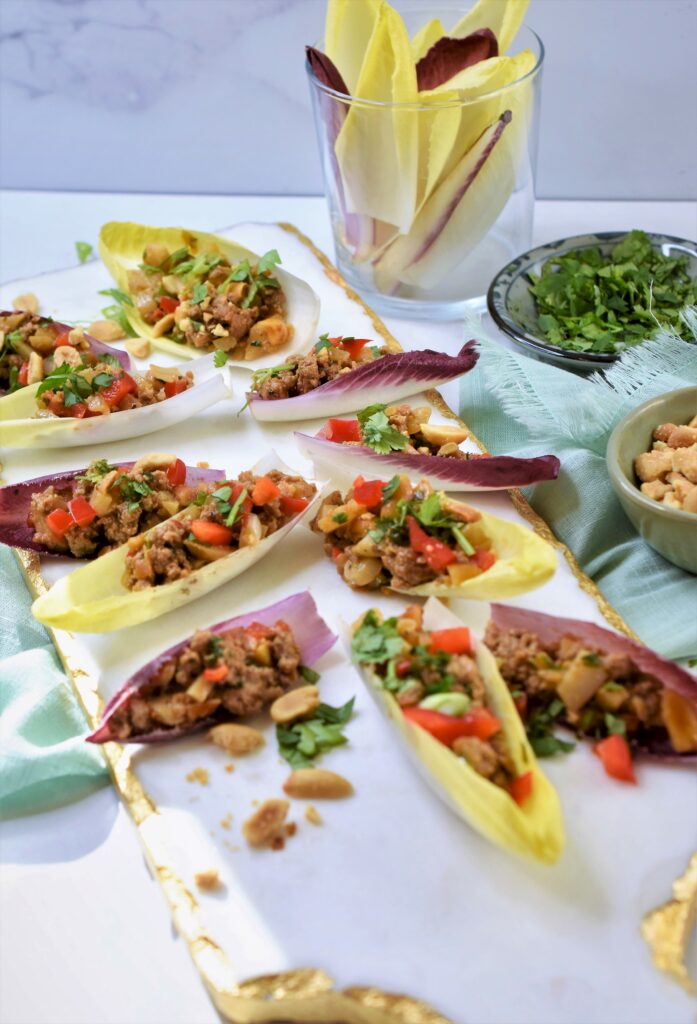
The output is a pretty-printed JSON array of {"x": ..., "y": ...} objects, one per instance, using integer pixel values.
[
  {"x": 125, "y": 502},
  {"x": 232, "y": 515},
  {"x": 320, "y": 365},
  {"x": 32, "y": 345},
  {"x": 570, "y": 683},
  {"x": 378, "y": 535},
  {"x": 225, "y": 675},
  {"x": 203, "y": 301},
  {"x": 100, "y": 389},
  {"x": 419, "y": 670}
]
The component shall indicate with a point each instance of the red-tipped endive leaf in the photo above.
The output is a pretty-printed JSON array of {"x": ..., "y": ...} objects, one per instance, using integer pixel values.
[
  {"x": 448, "y": 56},
  {"x": 359, "y": 230},
  {"x": 299, "y": 611},
  {"x": 387, "y": 379},
  {"x": 15, "y": 502},
  {"x": 480, "y": 473},
  {"x": 551, "y": 628},
  {"x": 98, "y": 348}
]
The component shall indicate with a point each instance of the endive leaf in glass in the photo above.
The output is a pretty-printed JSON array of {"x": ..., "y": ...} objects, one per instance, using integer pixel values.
[
  {"x": 94, "y": 599},
  {"x": 534, "y": 829},
  {"x": 121, "y": 246},
  {"x": 21, "y": 428},
  {"x": 348, "y": 29},
  {"x": 503, "y": 17},
  {"x": 377, "y": 145}
]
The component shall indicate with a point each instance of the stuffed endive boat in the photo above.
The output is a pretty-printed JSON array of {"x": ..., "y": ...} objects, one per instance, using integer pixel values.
[
  {"x": 227, "y": 528},
  {"x": 191, "y": 292},
  {"x": 87, "y": 512},
  {"x": 339, "y": 375},
  {"x": 392, "y": 438},
  {"x": 459, "y": 725},
  {"x": 600, "y": 685},
  {"x": 229, "y": 671},
  {"x": 413, "y": 539},
  {"x": 32, "y": 346},
  {"x": 80, "y": 404}
]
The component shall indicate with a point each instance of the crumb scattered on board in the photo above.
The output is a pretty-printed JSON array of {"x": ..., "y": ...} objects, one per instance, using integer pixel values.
[
  {"x": 312, "y": 815},
  {"x": 229, "y": 767},
  {"x": 199, "y": 775},
  {"x": 226, "y": 822},
  {"x": 208, "y": 880},
  {"x": 231, "y": 848},
  {"x": 268, "y": 827}
]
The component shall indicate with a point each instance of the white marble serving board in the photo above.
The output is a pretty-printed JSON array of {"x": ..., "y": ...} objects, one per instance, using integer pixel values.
[{"x": 392, "y": 890}]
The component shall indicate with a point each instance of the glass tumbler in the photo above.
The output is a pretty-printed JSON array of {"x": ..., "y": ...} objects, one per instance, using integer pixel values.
[{"x": 429, "y": 200}]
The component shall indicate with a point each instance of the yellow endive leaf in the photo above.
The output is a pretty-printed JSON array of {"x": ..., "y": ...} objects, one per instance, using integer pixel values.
[
  {"x": 535, "y": 829},
  {"x": 503, "y": 17},
  {"x": 377, "y": 146},
  {"x": 121, "y": 245},
  {"x": 427, "y": 35},
  {"x": 348, "y": 28}
]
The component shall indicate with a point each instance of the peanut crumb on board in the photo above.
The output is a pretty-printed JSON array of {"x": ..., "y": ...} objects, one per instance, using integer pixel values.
[
  {"x": 208, "y": 880},
  {"x": 203, "y": 465},
  {"x": 226, "y": 822},
  {"x": 230, "y": 846},
  {"x": 138, "y": 347},
  {"x": 230, "y": 767},
  {"x": 198, "y": 775},
  {"x": 268, "y": 827},
  {"x": 312, "y": 815}
]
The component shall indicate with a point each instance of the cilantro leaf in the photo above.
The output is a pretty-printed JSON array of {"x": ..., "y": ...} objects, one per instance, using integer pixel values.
[
  {"x": 304, "y": 741},
  {"x": 221, "y": 357},
  {"x": 379, "y": 434},
  {"x": 376, "y": 642},
  {"x": 97, "y": 470},
  {"x": 84, "y": 251},
  {"x": 200, "y": 292}
]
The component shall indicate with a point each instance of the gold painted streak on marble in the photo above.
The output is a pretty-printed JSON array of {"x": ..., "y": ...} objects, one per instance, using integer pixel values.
[
  {"x": 667, "y": 929},
  {"x": 522, "y": 506}
]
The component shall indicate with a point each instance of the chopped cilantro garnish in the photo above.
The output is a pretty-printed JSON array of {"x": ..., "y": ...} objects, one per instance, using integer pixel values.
[
  {"x": 590, "y": 658},
  {"x": 376, "y": 642},
  {"x": 613, "y": 724},
  {"x": 339, "y": 517},
  {"x": 377, "y": 431},
  {"x": 323, "y": 343},
  {"x": 221, "y": 497},
  {"x": 220, "y": 358},
  {"x": 539, "y": 726},
  {"x": 97, "y": 471},
  {"x": 213, "y": 652},
  {"x": 133, "y": 490},
  {"x": 390, "y": 488},
  {"x": 84, "y": 251},
  {"x": 200, "y": 292},
  {"x": 588, "y": 302},
  {"x": 308, "y": 674},
  {"x": 304, "y": 741},
  {"x": 14, "y": 379}
]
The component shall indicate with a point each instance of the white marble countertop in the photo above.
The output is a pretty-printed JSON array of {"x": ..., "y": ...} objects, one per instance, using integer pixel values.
[{"x": 76, "y": 894}]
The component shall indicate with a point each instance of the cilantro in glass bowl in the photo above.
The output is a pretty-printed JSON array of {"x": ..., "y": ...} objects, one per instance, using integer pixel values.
[{"x": 580, "y": 302}]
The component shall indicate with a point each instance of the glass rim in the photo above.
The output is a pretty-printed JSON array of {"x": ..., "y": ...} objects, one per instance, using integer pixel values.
[{"x": 356, "y": 101}]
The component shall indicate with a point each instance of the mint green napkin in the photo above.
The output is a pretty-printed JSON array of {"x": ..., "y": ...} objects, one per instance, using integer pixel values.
[
  {"x": 44, "y": 760},
  {"x": 519, "y": 406}
]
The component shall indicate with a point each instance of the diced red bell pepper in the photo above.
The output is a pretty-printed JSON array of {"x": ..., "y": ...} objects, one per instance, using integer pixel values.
[
  {"x": 368, "y": 492},
  {"x": 257, "y": 630},
  {"x": 483, "y": 559},
  {"x": 264, "y": 491},
  {"x": 211, "y": 533},
  {"x": 336, "y": 341},
  {"x": 451, "y": 641},
  {"x": 336, "y": 553},
  {"x": 354, "y": 346},
  {"x": 293, "y": 506},
  {"x": 168, "y": 304},
  {"x": 447, "y": 728},
  {"x": 616, "y": 756},
  {"x": 81, "y": 511},
  {"x": 215, "y": 674},
  {"x": 118, "y": 389},
  {"x": 236, "y": 490},
  {"x": 61, "y": 338},
  {"x": 342, "y": 431},
  {"x": 402, "y": 668},
  {"x": 437, "y": 554},
  {"x": 175, "y": 387},
  {"x": 176, "y": 473},
  {"x": 23, "y": 374},
  {"x": 521, "y": 788},
  {"x": 79, "y": 411},
  {"x": 59, "y": 521},
  {"x": 521, "y": 704}
]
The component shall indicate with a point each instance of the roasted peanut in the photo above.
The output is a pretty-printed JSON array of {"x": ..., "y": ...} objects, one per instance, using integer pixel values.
[
  {"x": 267, "y": 826},
  {"x": 317, "y": 784},
  {"x": 35, "y": 369},
  {"x": 156, "y": 460},
  {"x": 66, "y": 354},
  {"x": 437, "y": 433},
  {"x": 26, "y": 303},
  {"x": 155, "y": 254},
  {"x": 295, "y": 704},
  {"x": 235, "y": 739},
  {"x": 139, "y": 348},
  {"x": 106, "y": 330},
  {"x": 208, "y": 880},
  {"x": 165, "y": 324}
]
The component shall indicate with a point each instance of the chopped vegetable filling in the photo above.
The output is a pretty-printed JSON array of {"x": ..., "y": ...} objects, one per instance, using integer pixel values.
[
  {"x": 327, "y": 359},
  {"x": 32, "y": 347},
  {"x": 400, "y": 535},
  {"x": 85, "y": 390}
]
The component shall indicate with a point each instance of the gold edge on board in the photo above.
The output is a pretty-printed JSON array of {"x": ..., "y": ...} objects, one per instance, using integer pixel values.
[{"x": 311, "y": 992}]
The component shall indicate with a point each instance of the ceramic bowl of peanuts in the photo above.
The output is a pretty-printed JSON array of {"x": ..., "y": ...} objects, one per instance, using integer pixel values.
[{"x": 652, "y": 462}]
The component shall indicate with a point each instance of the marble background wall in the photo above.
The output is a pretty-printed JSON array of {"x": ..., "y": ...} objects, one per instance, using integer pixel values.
[{"x": 210, "y": 96}]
